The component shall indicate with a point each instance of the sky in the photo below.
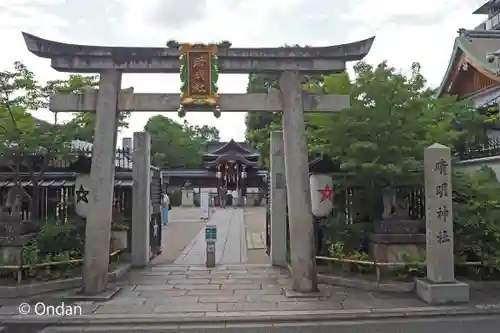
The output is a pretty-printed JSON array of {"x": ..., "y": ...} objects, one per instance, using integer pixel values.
[{"x": 406, "y": 31}]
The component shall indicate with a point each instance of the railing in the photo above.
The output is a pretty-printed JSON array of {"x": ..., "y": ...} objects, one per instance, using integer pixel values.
[
  {"x": 55, "y": 198},
  {"x": 481, "y": 26},
  {"x": 468, "y": 151},
  {"x": 492, "y": 22}
]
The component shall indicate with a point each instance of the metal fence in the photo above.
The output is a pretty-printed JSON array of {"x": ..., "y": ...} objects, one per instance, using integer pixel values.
[
  {"x": 55, "y": 198},
  {"x": 471, "y": 150},
  {"x": 353, "y": 203}
]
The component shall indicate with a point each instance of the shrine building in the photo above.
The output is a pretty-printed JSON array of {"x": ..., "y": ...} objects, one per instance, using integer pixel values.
[
  {"x": 233, "y": 164},
  {"x": 472, "y": 72}
]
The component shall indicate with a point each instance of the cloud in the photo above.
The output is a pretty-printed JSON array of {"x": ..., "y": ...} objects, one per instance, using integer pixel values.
[
  {"x": 405, "y": 32},
  {"x": 177, "y": 14}
]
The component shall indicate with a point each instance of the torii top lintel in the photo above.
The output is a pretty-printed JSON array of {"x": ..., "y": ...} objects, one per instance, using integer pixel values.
[{"x": 94, "y": 59}]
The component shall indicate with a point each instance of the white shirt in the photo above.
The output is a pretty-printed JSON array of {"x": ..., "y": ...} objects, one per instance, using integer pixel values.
[
  {"x": 235, "y": 194},
  {"x": 166, "y": 200}
]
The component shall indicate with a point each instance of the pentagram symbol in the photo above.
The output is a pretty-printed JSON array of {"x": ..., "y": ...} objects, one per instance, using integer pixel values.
[
  {"x": 326, "y": 193},
  {"x": 81, "y": 195}
]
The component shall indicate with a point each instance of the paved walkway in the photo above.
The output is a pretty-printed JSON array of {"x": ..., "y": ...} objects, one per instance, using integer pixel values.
[
  {"x": 231, "y": 241},
  {"x": 190, "y": 293},
  {"x": 184, "y": 224},
  {"x": 255, "y": 225}
]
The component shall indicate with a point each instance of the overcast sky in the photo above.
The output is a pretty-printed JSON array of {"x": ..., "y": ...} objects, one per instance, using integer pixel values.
[{"x": 406, "y": 30}]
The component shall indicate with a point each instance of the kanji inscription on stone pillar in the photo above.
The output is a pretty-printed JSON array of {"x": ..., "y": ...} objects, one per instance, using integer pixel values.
[{"x": 439, "y": 216}]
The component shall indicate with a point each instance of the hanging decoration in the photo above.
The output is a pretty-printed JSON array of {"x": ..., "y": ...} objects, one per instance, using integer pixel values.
[
  {"x": 218, "y": 174},
  {"x": 82, "y": 191},
  {"x": 321, "y": 194}
]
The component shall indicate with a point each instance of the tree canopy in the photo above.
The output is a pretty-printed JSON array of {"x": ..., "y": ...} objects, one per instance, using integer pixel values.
[
  {"x": 21, "y": 96},
  {"x": 392, "y": 118},
  {"x": 175, "y": 145}
]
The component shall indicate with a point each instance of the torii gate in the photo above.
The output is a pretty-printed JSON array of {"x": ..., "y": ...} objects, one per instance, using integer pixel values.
[{"x": 112, "y": 62}]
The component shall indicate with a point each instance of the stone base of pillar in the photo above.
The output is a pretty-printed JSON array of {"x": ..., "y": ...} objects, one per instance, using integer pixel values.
[
  {"x": 391, "y": 247},
  {"x": 442, "y": 293}
]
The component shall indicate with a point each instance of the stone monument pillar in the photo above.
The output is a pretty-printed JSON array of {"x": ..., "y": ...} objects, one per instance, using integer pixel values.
[
  {"x": 440, "y": 286},
  {"x": 278, "y": 201},
  {"x": 300, "y": 219},
  {"x": 141, "y": 196}
]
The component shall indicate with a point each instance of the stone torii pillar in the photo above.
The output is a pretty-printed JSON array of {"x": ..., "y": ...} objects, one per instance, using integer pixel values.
[
  {"x": 102, "y": 184},
  {"x": 289, "y": 63}
]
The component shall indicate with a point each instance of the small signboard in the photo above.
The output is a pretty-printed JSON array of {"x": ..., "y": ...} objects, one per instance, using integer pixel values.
[{"x": 210, "y": 233}]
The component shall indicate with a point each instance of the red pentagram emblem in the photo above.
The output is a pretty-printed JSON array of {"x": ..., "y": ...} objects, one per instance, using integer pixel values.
[{"x": 326, "y": 193}]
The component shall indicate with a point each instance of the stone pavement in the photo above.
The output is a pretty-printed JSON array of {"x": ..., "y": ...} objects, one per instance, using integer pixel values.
[
  {"x": 406, "y": 325},
  {"x": 230, "y": 246},
  {"x": 255, "y": 226},
  {"x": 184, "y": 224},
  {"x": 174, "y": 294},
  {"x": 431, "y": 325}
]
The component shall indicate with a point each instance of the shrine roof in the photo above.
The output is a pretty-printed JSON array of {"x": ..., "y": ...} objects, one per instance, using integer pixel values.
[
  {"x": 471, "y": 47},
  {"x": 231, "y": 157},
  {"x": 484, "y": 9},
  {"x": 221, "y": 148}
]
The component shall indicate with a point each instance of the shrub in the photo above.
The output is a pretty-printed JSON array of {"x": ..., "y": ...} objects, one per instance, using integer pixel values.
[{"x": 476, "y": 211}]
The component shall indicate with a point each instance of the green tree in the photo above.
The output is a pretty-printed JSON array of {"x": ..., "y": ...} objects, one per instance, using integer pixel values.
[
  {"x": 260, "y": 124},
  {"x": 392, "y": 118},
  {"x": 175, "y": 145},
  {"x": 476, "y": 212},
  {"x": 203, "y": 133},
  {"x": 27, "y": 143},
  {"x": 82, "y": 126}
]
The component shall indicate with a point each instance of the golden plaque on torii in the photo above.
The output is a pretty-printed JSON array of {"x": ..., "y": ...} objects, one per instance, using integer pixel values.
[{"x": 199, "y": 74}]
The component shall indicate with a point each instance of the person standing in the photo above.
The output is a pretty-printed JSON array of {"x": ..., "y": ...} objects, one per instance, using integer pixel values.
[
  {"x": 166, "y": 207},
  {"x": 235, "y": 198},
  {"x": 223, "y": 196}
]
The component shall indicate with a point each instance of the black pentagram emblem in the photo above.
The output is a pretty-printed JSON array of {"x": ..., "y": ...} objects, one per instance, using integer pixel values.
[{"x": 81, "y": 195}]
